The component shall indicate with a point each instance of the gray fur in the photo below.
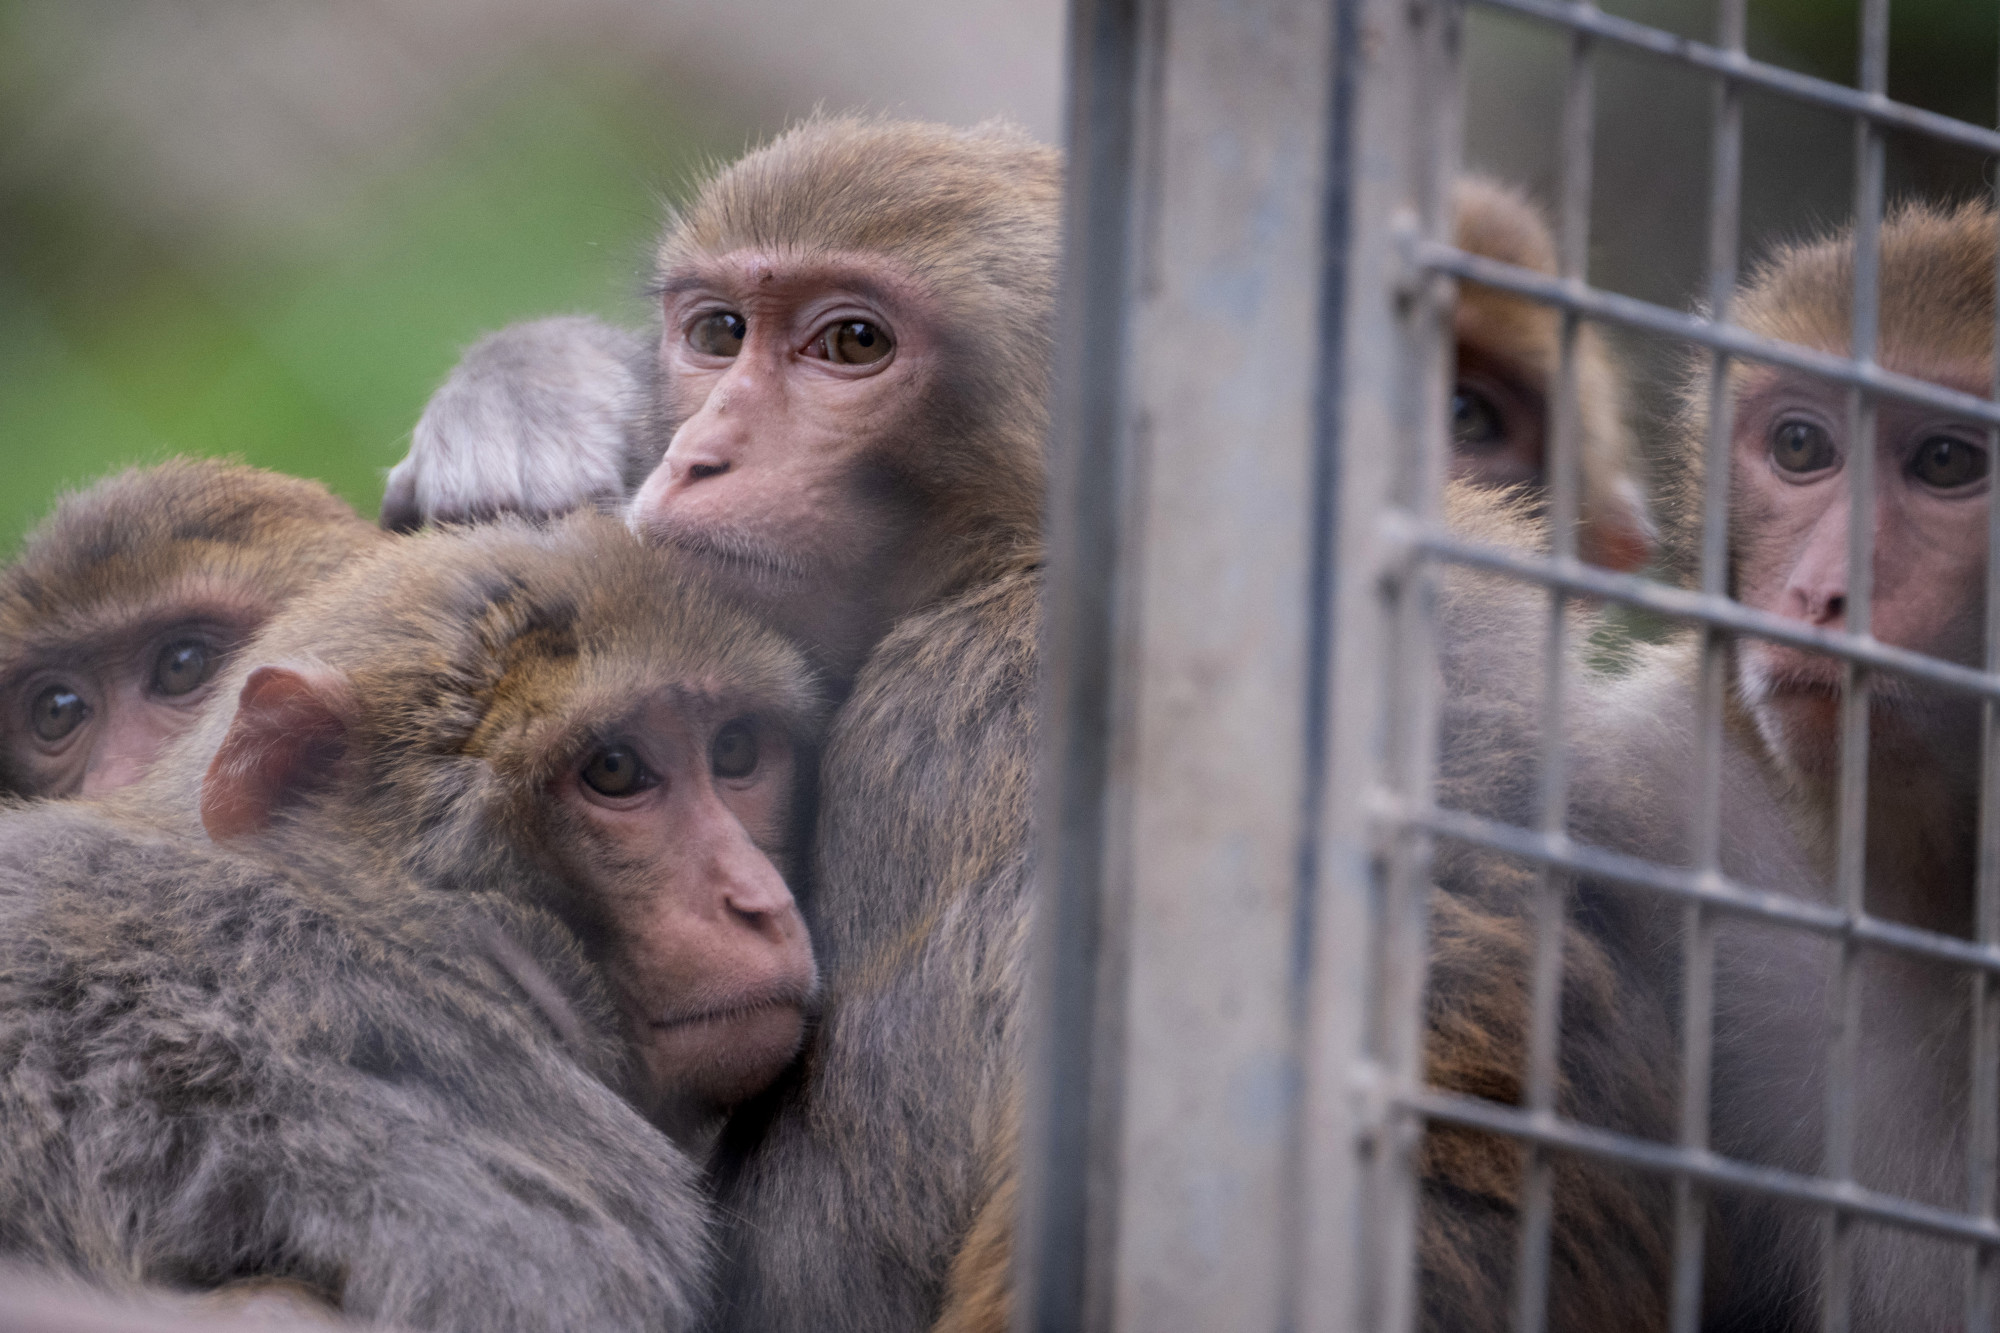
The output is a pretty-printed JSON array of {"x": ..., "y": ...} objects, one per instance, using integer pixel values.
[
  {"x": 369, "y": 1049},
  {"x": 211, "y": 1068},
  {"x": 921, "y": 912},
  {"x": 540, "y": 418}
]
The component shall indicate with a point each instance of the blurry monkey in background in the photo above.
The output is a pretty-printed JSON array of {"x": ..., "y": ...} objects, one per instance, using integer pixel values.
[
  {"x": 1634, "y": 778},
  {"x": 1508, "y": 353},
  {"x": 129, "y": 598},
  {"x": 492, "y": 876}
]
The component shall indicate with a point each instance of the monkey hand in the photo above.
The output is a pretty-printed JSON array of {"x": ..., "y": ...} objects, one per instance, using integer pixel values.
[{"x": 539, "y": 418}]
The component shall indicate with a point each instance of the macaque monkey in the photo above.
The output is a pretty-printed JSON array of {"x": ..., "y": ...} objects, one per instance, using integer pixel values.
[
  {"x": 132, "y": 595},
  {"x": 842, "y": 416},
  {"x": 1508, "y": 352},
  {"x": 553, "y": 414},
  {"x": 493, "y": 875},
  {"x": 1634, "y": 775},
  {"x": 1791, "y": 485}
]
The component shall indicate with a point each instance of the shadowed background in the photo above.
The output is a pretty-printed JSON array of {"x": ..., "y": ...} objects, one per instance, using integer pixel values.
[{"x": 265, "y": 228}]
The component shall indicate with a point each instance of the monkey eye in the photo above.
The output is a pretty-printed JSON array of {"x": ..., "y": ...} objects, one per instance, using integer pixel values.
[
  {"x": 616, "y": 771},
  {"x": 1800, "y": 447},
  {"x": 854, "y": 342},
  {"x": 719, "y": 333},
  {"x": 734, "y": 751},
  {"x": 56, "y": 712},
  {"x": 1475, "y": 421},
  {"x": 1948, "y": 463},
  {"x": 183, "y": 667}
]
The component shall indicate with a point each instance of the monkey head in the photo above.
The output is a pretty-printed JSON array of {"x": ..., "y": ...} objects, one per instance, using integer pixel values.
[
  {"x": 1791, "y": 482},
  {"x": 1509, "y": 349},
  {"x": 569, "y": 718},
  {"x": 854, "y": 368},
  {"x": 128, "y": 598}
]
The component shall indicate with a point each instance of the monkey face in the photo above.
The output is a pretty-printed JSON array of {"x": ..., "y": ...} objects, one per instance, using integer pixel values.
[
  {"x": 1792, "y": 485},
  {"x": 678, "y": 813},
  {"x": 89, "y": 716},
  {"x": 1498, "y": 423},
  {"x": 794, "y": 385}
]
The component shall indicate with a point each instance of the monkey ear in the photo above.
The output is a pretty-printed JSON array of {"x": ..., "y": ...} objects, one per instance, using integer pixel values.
[{"x": 288, "y": 729}]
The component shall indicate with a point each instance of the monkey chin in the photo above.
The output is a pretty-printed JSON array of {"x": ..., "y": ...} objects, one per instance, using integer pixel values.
[{"x": 697, "y": 1067}]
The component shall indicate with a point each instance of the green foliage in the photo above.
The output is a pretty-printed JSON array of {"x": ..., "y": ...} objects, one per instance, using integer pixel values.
[{"x": 121, "y": 342}]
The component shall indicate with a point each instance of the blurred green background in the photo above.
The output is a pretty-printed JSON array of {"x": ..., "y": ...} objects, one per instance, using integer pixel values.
[{"x": 265, "y": 228}]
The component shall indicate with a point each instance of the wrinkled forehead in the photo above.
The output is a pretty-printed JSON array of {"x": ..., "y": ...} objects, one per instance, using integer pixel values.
[
  {"x": 542, "y": 711},
  {"x": 124, "y": 600}
]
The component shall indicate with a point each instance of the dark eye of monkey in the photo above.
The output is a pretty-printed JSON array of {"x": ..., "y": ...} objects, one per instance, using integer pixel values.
[
  {"x": 1801, "y": 446},
  {"x": 56, "y": 712},
  {"x": 1948, "y": 463},
  {"x": 856, "y": 342},
  {"x": 734, "y": 752},
  {"x": 616, "y": 771},
  {"x": 183, "y": 667},
  {"x": 1475, "y": 421},
  {"x": 720, "y": 333}
]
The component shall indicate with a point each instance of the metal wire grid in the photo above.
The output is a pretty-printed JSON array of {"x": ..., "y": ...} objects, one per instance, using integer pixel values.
[
  {"x": 1702, "y": 890},
  {"x": 1219, "y": 153}
]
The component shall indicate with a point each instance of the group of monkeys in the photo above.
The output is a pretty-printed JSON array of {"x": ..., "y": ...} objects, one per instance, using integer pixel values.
[{"x": 608, "y": 906}]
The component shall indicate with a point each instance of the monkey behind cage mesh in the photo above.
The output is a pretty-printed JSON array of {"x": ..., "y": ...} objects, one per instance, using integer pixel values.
[{"x": 1243, "y": 717}]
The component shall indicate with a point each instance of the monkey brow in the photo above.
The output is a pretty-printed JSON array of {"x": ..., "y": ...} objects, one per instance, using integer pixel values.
[{"x": 847, "y": 274}]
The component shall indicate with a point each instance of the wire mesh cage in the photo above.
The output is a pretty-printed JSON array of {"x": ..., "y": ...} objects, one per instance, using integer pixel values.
[{"x": 1242, "y": 804}]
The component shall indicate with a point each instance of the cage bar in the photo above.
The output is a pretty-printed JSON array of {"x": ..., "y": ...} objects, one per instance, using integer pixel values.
[{"x": 1193, "y": 607}]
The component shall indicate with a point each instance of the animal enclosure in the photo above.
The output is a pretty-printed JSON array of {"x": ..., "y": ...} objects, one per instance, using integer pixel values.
[{"x": 1249, "y": 458}]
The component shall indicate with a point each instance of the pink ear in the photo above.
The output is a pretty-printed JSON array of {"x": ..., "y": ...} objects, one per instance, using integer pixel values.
[{"x": 287, "y": 730}]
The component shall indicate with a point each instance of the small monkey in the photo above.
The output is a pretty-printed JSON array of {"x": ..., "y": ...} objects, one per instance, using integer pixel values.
[
  {"x": 842, "y": 416},
  {"x": 1508, "y": 352},
  {"x": 1633, "y": 775},
  {"x": 1791, "y": 487},
  {"x": 495, "y": 825},
  {"x": 129, "y": 598}
]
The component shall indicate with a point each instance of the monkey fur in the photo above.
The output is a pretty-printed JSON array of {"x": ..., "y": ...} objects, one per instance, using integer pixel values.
[
  {"x": 129, "y": 557},
  {"x": 316, "y": 1053},
  {"x": 854, "y": 1206}
]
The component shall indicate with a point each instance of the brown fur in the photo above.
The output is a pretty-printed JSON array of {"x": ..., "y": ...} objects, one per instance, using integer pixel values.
[
  {"x": 1633, "y": 773},
  {"x": 1936, "y": 303},
  {"x": 302, "y": 1056},
  {"x": 971, "y": 215},
  {"x": 1521, "y": 340},
  {"x": 150, "y": 545}
]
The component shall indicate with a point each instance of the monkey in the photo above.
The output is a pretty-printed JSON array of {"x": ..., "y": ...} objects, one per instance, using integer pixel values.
[
  {"x": 421, "y": 968},
  {"x": 831, "y": 269},
  {"x": 841, "y": 419},
  {"x": 1507, "y": 351},
  {"x": 128, "y": 599},
  {"x": 553, "y": 414},
  {"x": 1633, "y": 757},
  {"x": 1791, "y": 488}
]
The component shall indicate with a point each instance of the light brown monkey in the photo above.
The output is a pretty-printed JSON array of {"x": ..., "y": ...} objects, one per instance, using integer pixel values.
[
  {"x": 1791, "y": 487},
  {"x": 129, "y": 598},
  {"x": 491, "y": 877},
  {"x": 1634, "y": 772},
  {"x": 1508, "y": 352},
  {"x": 847, "y": 410}
]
